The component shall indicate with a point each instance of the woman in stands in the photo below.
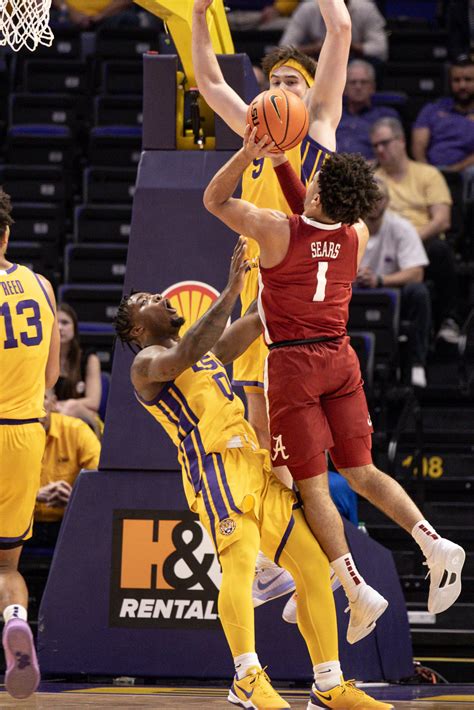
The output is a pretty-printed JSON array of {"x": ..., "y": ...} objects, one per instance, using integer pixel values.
[{"x": 78, "y": 388}]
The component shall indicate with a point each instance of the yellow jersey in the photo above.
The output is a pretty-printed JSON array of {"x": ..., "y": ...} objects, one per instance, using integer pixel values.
[
  {"x": 203, "y": 417},
  {"x": 260, "y": 184},
  {"x": 26, "y": 322}
]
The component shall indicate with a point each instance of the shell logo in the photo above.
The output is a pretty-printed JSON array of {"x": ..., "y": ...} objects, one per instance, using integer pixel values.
[{"x": 191, "y": 299}]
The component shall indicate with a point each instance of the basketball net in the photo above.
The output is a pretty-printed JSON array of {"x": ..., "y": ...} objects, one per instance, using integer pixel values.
[{"x": 24, "y": 23}]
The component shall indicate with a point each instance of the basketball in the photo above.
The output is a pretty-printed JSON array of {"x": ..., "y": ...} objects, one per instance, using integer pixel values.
[{"x": 281, "y": 115}]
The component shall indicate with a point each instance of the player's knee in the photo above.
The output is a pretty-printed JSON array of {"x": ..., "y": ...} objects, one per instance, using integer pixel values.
[
  {"x": 359, "y": 477},
  {"x": 239, "y": 557}
]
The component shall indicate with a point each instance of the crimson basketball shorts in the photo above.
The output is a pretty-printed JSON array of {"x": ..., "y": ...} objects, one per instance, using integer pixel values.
[{"x": 316, "y": 404}]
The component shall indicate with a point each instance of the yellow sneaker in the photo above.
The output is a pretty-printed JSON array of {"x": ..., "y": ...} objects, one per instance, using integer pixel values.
[
  {"x": 344, "y": 697},
  {"x": 255, "y": 691}
]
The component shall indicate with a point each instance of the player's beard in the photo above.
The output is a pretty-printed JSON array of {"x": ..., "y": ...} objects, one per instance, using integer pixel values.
[{"x": 177, "y": 321}]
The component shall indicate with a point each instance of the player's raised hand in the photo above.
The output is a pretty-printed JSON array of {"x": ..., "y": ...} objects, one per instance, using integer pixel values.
[
  {"x": 238, "y": 266},
  {"x": 255, "y": 149},
  {"x": 201, "y": 6}
]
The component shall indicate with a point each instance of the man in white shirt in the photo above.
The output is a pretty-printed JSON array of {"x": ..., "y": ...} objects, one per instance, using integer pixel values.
[
  {"x": 306, "y": 30},
  {"x": 395, "y": 258}
]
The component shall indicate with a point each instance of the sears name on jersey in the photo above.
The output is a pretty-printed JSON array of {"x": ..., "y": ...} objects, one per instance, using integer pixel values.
[{"x": 325, "y": 250}]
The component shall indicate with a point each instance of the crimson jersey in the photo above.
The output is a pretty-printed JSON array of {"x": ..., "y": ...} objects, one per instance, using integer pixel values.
[{"x": 307, "y": 294}]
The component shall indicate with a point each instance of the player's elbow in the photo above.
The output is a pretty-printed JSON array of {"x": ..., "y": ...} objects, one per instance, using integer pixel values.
[
  {"x": 209, "y": 201},
  {"x": 342, "y": 26}
]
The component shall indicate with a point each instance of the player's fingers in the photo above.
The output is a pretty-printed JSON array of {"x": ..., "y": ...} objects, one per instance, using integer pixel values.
[
  {"x": 248, "y": 131},
  {"x": 253, "y": 134}
]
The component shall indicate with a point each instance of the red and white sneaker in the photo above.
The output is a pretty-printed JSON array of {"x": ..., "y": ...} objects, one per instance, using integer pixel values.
[
  {"x": 445, "y": 565},
  {"x": 365, "y": 610}
]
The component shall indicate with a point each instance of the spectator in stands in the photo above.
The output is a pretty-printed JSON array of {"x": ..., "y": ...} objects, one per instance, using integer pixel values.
[
  {"x": 419, "y": 193},
  {"x": 395, "y": 258},
  {"x": 359, "y": 112},
  {"x": 78, "y": 388},
  {"x": 70, "y": 447},
  {"x": 460, "y": 21},
  {"x": 306, "y": 30},
  {"x": 88, "y": 14},
  {"x": 443, "y": 134}
]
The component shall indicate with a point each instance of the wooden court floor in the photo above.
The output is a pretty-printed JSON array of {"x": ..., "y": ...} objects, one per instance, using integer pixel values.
[{"x": 440, "y": 697}]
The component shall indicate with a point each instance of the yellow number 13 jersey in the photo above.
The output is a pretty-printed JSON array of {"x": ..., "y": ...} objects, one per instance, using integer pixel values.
[{"x": 26, "y": 323}]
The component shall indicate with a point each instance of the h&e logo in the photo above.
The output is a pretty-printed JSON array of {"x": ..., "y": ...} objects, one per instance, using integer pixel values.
[{"x": 165, "y": 572}]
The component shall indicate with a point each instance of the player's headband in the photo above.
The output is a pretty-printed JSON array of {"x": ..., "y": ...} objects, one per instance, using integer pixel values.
[{"x": 296, "y": 65}]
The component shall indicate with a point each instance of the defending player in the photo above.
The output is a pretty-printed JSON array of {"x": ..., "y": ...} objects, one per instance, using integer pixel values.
[
  {"x": 29, "y": 362},
  {"x": 321, "y": 88},
  {"x": 307, "y": 266},
  {"x": 228, "y": 482}
]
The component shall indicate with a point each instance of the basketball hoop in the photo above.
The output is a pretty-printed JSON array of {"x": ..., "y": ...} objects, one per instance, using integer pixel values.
[{"x": 24, "y": 23}]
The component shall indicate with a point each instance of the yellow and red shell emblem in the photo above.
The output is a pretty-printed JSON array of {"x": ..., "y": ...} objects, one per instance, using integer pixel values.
[{"x": 191, "y": 299}]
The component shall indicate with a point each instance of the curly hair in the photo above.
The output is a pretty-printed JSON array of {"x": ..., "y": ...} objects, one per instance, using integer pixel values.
[
  {"x": 123, "y": 322},
  {"x": 347, "y": 188},
  {"x": 6, "y": 219},
  {"x": 283, "y": 53}
]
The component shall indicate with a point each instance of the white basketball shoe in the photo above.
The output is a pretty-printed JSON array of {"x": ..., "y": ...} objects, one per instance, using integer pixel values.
[
  {"x": 368, "y": 606},
  {"x": 445, "y": 564},
  {"x": 289, "y": 611}
]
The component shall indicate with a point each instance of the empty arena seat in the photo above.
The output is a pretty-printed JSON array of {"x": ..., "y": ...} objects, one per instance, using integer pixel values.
[
  {"x": 421, "y": 79},
  {"x": 71, "y": 77},
  {"x": 118, "y": 110},
  {"x": 122, "y": 77},
  {"x": 31, "y": 254},
  {"x": 58, "y": 109},
  {"x": 377, "y": 311},
  {"x": 126, "y": 42},
  {"x": 410, "y": 45},
  {"x": 92, "y": 303},
  {"x": 109, "y": 184},
  {"x": 364, "y": 345},
  {"x": 33, "y": 183},
  {"x": 40, "y": 144},
  {"x": 99, "y": 337},
  {"x": 39, "y": 221},
  {"x": 115, "y": 145},
  {"x": 94, "y": 263},
  {"x": 102, "y": 223}
]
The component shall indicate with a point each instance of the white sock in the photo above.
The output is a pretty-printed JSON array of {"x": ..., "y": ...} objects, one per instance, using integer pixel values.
[
  {"x": 348, "y": 575},
  {"x": 15, "y": 611},
  {"x": 327, "y": 675},
  {"x": 425, "y": 535},
  {"x": 245, "y": 661},
  {"x": 263, "y": 562}
]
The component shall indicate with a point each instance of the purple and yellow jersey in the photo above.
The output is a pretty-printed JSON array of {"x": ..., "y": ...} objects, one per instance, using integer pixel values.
[
  {"x": 203, "y": 417},
  {"x": 26, "y": 323},
  {"x": 260, "y": 184}
]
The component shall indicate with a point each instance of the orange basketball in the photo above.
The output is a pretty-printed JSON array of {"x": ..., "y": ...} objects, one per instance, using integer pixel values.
[{"x": 281, "y": 115}]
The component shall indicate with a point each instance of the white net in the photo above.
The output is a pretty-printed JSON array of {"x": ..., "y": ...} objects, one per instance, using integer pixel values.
[{"x": 24, "y": 23}]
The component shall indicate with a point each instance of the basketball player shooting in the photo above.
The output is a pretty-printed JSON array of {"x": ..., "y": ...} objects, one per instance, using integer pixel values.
[
  {"x": 321, "y": 88},
  {"x": 228, "y": 481},
  {"x": 315, "y": 394}
]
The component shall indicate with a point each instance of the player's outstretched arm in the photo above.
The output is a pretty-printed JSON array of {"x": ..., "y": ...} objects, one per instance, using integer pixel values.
[
  {"x": 210, "y": 80},
  {"x": 269, "y": 228},
  {"x": 236, "y": 338},
  {"x": 156, "y": 364},
  {"x": 363, "y": 235},
  {"x": 52, "y": 365},
  {"x": 325, "y": 96}
]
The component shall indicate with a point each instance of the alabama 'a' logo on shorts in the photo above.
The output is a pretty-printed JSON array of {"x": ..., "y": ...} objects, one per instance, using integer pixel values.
[
  {"x": 279, "y": 448},
  {"x": 191, "y": 299}
]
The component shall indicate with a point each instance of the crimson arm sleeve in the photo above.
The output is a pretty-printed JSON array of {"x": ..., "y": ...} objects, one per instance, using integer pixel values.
[{"x": 293, "y": 188}]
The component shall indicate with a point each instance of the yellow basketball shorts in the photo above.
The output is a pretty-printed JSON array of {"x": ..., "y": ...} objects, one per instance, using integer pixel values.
[
  {"x": 249, "y": 367},
  {"x": 21, "y": 452},
  {"x": 246, "y": 485}
]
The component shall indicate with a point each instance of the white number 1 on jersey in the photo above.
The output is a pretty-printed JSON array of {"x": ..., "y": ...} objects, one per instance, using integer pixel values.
[{"x": 321, "y": 281}]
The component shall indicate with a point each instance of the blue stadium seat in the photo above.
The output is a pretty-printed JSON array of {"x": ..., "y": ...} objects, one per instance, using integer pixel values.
[
  {"x": 118, "y": 110},
  {"x": 94, "y": 263},
  {"x": 40, "y": 144},
  {"x": 99, "y": 337},
  {"x": 109, "y": 184},
  {"x": 122, "y": 77},
  {"x": 92, "y": 303},
  {"x": 34, "y": 183},
  {"x": 56, "y": 109},
  {"x": 39, "y": 221},
  {"x": 53, "y": 76},
  {"x": 115, "y": 145},
  {"x": 102, "y": 223}
]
